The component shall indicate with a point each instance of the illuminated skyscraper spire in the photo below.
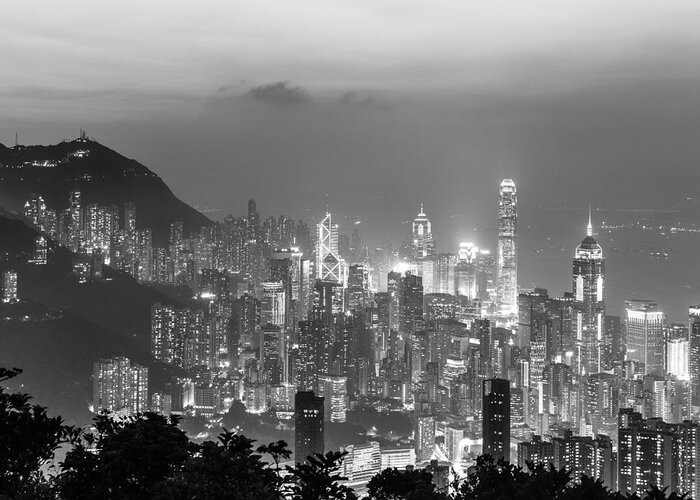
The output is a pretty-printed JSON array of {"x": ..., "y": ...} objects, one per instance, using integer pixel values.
[
  {"x": 507, "y": 264},
  {"x": 422, "y": 235},
  {"x": 589, "y": 303},
  {"x": 589, "y": 232}
]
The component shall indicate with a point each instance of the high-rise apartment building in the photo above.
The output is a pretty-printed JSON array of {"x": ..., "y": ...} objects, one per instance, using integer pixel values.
[
  {"x": 76, "y": 220},
  {"x": 648, "y": 453},
  {"x": 507, "y": 270},
  {"x": 9, "y": 287},
  {"x": 119, "y": 386}
]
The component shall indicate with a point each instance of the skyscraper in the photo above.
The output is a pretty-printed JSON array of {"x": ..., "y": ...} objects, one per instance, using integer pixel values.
[
  {"x": 308, "y": 429},
  {"x": 333, "y": 390},
  {"x": 439, "y": 273},
  {"x": 589, "y": 303},
  {"x": 329, "y": 266},
  {"x": 694, "y": 351},
  {"x": 496, "y": 418},
  {"x": 422, "y": 232},
  {"x": 645, "y": 335},
  {"x": 648, "y": 453},
  {"x": 273, "y": 308},
  {"x": 119, "y": 386},
  {"x": 76, "y": 220},
  {"x": 507, "y": 271}
]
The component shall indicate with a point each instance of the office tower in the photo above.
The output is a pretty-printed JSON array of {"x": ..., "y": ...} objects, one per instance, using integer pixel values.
[
  {"x": 308, "y": 428},
  {"x": 517, "y": 407},
  {"x": 410, "y": 302},
  {"x": 329, "y": 266},
  {"x": 273, "y": 306},
  {"x": 422, "y": 236},
  {"x": 507, "y": 271},
  {"x": 438, "y": 273},
  {"x": 694, "y": 352},
  {"x": 614, "y": 345},
  {"x": 358, "y": 288},
  {"x": 473, "y": 271},
  {"x": 589, "y": 303},
  {"x": 119, "y": 386},
  {"x": 333, "y": 389},
  {"x": 273, "y": 354},
  {"x": 533, "y": 318},
  {"x": 648, "y": 453},
  {"x": 645, "y": 335},
  {"x": 496, "y": 418},
  {"x": 9, "y": 287},
  {"x": 286, "y": 267},
  {"x": 677, "y": 358},
  {"x": 76, "y": 220}
]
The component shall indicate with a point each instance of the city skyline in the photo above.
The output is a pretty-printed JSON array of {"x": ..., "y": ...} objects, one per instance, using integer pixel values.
[{"x": 422, "y": 249}]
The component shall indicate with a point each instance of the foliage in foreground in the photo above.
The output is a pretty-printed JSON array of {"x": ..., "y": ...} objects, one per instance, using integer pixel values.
[{"x": 149, "y": 457}]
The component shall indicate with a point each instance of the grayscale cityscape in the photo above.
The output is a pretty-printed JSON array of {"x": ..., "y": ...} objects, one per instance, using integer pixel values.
[{"x": 382, "y": 250}]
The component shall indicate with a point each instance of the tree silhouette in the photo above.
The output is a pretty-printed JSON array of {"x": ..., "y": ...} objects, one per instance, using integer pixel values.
[
  {"x": 29, "y": 439},
  {"x": 123, "y": 458},
  {"x": 395, "y": 484},
  {"x": 318, "y": 479},
  {"x": 148, "y": 456}
]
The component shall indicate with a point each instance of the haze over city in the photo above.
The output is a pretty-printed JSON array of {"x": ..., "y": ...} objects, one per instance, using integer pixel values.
[{"x": 418, "y": 237}]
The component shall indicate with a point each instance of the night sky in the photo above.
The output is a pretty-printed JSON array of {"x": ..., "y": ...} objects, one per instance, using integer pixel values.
[{"x": 371, "y": 107}]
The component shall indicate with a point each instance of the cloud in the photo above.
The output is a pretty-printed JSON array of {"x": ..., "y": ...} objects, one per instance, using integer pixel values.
[
  {"x": 363, "y": 100},
  {"x": 279, "y": 94}
]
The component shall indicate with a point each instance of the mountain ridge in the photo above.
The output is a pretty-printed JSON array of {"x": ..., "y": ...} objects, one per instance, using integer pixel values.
[{"x": 103, "y": 176}]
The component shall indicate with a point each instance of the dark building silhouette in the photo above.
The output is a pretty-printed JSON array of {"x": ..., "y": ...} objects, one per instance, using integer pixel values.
[
  {"x": 496, "y": 418},
  {"x": 308, "y": 419}
]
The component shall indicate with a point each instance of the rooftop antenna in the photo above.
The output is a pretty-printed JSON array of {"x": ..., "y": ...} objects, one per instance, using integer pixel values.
[
  {"x": 589, "y": 232},
  {"x": 16, "y": 139}
]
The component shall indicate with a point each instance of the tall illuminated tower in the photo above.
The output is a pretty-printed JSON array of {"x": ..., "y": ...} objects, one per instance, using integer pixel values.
[
  {"x": 329, "y": 266},
  {"x": 589, "y": 303},
  {"x": 507, "y": 270},
  {"x": 422, "y": 232}
]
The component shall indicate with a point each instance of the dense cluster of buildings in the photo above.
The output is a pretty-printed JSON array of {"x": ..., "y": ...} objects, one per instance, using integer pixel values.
[{"x": 312, "y": 324}]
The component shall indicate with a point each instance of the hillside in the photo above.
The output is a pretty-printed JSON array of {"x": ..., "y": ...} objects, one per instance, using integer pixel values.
[
  {"x": 102, "y": 175},
  {"x": 63, "y": 326}
]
